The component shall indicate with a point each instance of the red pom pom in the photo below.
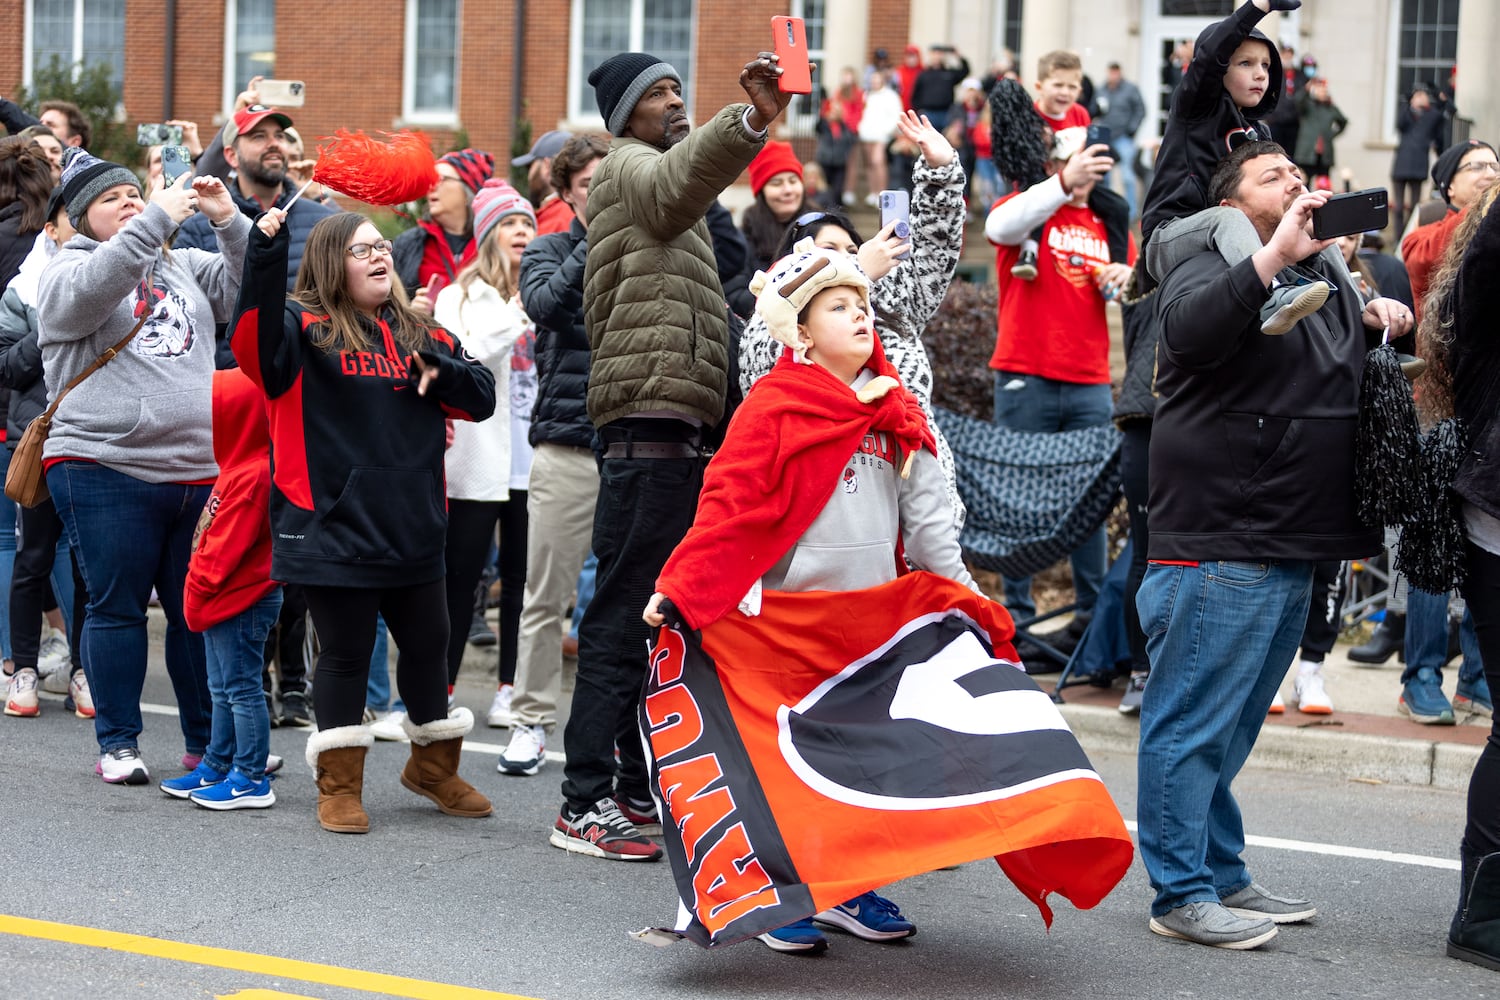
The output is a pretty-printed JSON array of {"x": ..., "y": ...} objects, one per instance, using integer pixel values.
[{"x": 375, "y": 172}]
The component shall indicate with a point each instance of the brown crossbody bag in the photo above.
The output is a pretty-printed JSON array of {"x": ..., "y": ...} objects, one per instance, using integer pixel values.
[{"x": 25, "y": 482}]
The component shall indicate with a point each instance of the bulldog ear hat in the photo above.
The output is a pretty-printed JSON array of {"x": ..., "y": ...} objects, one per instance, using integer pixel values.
[{"x": 794, "y": 281}]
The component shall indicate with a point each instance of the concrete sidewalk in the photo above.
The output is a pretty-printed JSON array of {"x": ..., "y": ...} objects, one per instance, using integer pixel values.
[{"x": 1365, "y": 739}]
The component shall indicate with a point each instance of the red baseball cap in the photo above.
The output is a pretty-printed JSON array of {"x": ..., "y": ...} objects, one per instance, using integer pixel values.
[{"x": 246, "y": 119}]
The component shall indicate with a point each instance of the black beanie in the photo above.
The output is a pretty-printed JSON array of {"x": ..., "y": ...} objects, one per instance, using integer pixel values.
[
  {"x": 1447, "y": 164},
  {"x": 619, "y": 82}
]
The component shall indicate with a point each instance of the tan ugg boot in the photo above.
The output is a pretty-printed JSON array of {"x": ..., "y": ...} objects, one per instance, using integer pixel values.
[
  {"x": 337, "y": 757},
  {"x": 433, "y": 768}
]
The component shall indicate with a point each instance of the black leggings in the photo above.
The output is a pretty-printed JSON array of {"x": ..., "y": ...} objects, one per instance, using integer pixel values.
[
  {"x": 471, "y": 527},
  {"x": 31, "y": 589},
  {"x": 1406, "y": 193},
  {"x": 344, "y": 618},
  {"x": 1482, "y": 592}
]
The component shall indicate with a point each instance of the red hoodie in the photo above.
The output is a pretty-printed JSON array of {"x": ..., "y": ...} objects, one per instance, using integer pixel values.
[{"x": 231, "y": 565}]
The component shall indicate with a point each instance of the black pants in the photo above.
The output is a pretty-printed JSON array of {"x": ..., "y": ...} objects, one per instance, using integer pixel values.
[
  {"x": 1324, "y": 610},
  {"x": 1135, "y": 466},
  {"x": 1405, "y": 194},
  {"x": 471, "y": 527},
  {"x": 345, "y": 621},
  {"x": 286, "y": 646},
  {"x": 1482, "y": 592},
  {"x": 31, "y": 588},
  {"x": 645, "y": 507}
]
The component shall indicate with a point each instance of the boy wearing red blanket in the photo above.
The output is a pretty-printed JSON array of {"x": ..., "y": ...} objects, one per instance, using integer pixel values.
[{"x": 827, "y": 476}]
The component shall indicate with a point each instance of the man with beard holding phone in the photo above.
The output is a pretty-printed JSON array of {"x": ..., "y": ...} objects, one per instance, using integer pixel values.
[{"x": 658, "y": 331}]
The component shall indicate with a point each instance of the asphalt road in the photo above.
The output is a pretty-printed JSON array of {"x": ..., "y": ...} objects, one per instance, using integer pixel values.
[{"x": 487, "y": 905}]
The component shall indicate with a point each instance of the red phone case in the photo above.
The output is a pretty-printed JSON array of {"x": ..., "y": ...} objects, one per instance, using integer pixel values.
[{"x": 789, "y": 38}]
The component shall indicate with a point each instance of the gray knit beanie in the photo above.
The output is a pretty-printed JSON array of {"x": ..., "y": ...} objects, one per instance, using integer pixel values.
[
  {"x": 619, "y": 82},
  {"x": 85, "y": 177}
]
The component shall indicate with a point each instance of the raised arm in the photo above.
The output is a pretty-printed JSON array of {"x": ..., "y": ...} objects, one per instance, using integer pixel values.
[
  {"x": 265, "y": 337},
  {"x": 1197, "y": 95}
]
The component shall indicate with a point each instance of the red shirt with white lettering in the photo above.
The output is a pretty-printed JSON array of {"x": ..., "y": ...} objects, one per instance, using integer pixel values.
[{"x": 1055, "y": 326}]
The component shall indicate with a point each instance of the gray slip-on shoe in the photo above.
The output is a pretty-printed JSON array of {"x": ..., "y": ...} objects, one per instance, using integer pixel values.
[
  {"x": 1213, "y": 925},
  {"x": 1254, "y": 901}
]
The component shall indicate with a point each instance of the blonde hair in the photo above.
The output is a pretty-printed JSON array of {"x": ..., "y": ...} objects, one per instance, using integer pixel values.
[
  {"x": 491, "y": 265},
  {"x": 1057, "y": 59}
]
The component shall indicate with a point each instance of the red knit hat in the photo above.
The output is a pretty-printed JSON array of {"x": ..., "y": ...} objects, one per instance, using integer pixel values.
[{"x": 775, "y": 158}]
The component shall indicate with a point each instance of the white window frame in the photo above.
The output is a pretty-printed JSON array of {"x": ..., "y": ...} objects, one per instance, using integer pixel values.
[
  {"x": 231, "y": 53},
  {"x": 581, "y": 120},
  {"x": 28, "y": 66},
  {"x": 409, "y": 115}
]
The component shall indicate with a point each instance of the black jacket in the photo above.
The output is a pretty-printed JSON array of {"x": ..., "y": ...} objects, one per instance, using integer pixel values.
[
  {"x": 933, "y": 89},
  {"x": 1475, "y": 365},
  {"x": 1419, "y": 133},
  {"x": 732, "y": 258},
  {"x": 1205, "y": 123},
  {"x": 1252, "y": 447},
  {"x": 552, "y": 292},
  {"x": 357, "y": 496},
  {"x": 14, "y": 246}
]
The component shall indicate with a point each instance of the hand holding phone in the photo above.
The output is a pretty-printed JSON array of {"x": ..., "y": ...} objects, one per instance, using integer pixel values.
[
  {"x": 1350, "y": 213},
  {"x": 789, "y": 41},
  {"x": 175, "y": 161},
  {"x": 895, "y": 211}
]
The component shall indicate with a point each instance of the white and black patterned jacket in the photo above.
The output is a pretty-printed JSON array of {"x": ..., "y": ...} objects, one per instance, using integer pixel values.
[{"x": 905, "y": 300}]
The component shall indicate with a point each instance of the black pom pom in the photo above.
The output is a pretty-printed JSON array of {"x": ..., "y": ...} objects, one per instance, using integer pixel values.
[
  {"x": 1388, "y": 450},
  {"x": 1019, "y": 138},
  {"x": 1432, "y": 542}
]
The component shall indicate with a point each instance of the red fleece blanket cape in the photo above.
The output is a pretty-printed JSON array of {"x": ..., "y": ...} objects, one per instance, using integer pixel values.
[{"x": 781, "y": 460}]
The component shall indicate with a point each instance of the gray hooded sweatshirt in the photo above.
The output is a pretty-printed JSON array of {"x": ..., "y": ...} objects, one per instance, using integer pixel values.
[{"x": 148, "y": 413}]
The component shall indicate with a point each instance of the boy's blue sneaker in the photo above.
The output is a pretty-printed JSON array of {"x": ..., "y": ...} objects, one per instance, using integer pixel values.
[
  {"x": 1422, "y": 700},
  {"x": 236, "y": 792},
  {"x": 198, "y": 778},
  {"x": 1473, "y": 697},
  {"x": 800, "y": 937},
  {"x": 869, "y": 916}
]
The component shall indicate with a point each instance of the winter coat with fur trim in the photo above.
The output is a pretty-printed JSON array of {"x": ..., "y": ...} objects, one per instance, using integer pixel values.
[{"x": 653, "y": 304}]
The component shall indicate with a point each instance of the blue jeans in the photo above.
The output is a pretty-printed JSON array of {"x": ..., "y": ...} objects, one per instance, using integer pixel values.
[
  {"x": 1124, "y": 147},
  {"x": 1427, "y": 638},
  {"x": 1045, "y": 406},
  {"x": 235, "y": 652},
  {"x": 585, "y": 591},
  {"x": 1220, "y": 637},
  {"x": 129, "y": 536}
]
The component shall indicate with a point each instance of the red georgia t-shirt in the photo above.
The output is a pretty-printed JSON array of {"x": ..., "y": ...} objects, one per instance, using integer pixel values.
[{"x": 1055, "y": 326}]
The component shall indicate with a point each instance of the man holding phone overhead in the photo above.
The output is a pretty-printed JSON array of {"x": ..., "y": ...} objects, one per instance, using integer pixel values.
[
  {"x": 657, "y": 325},
  {"x": 1243, "y": 425}
]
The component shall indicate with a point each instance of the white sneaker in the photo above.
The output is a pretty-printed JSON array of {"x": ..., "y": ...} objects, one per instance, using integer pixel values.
[
  {"x": 525, "y": 753},
  {"x": 123, "y": 767},
  {"x": 1278, "y": 704},
  {"x": 501, "y": 716},
  {"x": 1311, "y": 698},
  {"x": 388, "y": 727},
  {"x": 21, "y": 700},
  {"x": 53, "y": 655},
  {"x": 83, "y": 700}
]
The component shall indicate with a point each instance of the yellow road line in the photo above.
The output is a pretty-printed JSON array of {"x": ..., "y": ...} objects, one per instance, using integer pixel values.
[{"x": 244, "y": 961}]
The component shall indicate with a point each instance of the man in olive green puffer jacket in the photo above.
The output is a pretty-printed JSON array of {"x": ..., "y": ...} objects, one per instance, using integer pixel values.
[{"x": 658, "y": 331}]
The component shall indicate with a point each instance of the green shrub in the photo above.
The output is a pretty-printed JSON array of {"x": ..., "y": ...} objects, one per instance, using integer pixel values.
[
  {"x": 960, "y": 340},
  {"x": 93, "y": 90}
]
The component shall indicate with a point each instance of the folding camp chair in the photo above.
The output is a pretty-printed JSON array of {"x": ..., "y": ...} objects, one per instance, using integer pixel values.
[{"x": 1032, "y": 498}]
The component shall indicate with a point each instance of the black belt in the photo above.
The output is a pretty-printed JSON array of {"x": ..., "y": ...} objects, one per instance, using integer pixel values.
[{"x": 651, "y": 449}]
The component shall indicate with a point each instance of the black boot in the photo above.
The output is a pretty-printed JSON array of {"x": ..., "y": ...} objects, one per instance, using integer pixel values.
[
  {"x": 1475, "y": 933},
  {"x": 1389, "y": 637}
]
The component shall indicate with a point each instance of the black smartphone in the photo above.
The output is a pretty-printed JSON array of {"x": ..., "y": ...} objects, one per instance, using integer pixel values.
[
  {"x": 175, "y": 161},
  {"x": 1350, "y": 213},
  {"x": 1098, "y": 134}
]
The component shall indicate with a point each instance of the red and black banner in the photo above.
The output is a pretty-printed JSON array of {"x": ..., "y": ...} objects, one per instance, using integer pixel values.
[{"x": 839, "y": 742}]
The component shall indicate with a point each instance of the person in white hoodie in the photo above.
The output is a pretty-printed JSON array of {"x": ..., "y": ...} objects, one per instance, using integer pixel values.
[{"x": 489, "y": 462}]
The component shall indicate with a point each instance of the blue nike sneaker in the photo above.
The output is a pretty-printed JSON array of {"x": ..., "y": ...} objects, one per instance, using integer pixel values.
[
  {"x": 236, "y": 792},
  {"x": 800, "y": 937},
  {"x": 869, "y": 916},
  {"x": 198, "y": 778}
]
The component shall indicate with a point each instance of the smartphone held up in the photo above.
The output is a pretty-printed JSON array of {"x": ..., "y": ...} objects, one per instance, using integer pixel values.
[
  {"x": 895, "y": 211},
  {"x": 175, "y": 161},
  {"x": 1351, "y": 212},
  {"x": 789, "y": 41}
]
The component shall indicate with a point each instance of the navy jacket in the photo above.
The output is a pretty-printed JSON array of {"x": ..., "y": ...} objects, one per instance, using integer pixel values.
[{"x": 552, "y": 292}]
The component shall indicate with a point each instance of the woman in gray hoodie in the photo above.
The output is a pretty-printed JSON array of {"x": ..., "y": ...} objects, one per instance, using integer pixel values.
[{"x": 130, "y": 456}]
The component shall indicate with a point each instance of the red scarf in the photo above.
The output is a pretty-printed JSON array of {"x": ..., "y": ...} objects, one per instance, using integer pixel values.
[{"x": 780, "y": 463}]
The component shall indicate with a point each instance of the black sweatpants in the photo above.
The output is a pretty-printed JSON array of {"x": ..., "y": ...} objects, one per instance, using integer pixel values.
[{"x": 471, "y": 527}]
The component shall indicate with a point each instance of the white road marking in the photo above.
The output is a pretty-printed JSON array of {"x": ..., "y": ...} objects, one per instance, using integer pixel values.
[{"x": 1275, "y": 843}]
